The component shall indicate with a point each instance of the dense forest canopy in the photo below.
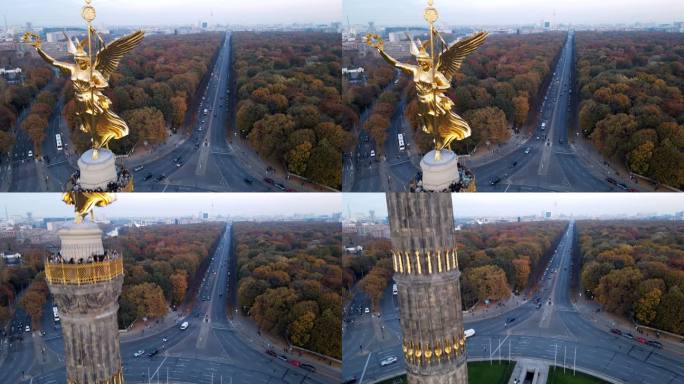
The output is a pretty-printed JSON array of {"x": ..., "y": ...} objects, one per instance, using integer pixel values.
[
  {"x": 636, "y": 269},
  {"x": 632, "y": 107},
  {"x": 290, "y": 281},
  {"x": 154, "y": 87},
  {"x": 499, "y": 258},
  {"x": 290, "y": 107},
  {"x": 15, "y": 98},
  {"x": 161, "y": 263}
]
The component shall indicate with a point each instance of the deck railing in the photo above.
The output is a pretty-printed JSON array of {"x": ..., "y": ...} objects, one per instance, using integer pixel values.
[{"x": 81, "y": 274}]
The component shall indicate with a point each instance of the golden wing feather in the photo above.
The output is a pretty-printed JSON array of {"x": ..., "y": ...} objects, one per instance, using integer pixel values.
[
  {"x": 108, "y": 58},
  {"x": 451, "y": 60}
]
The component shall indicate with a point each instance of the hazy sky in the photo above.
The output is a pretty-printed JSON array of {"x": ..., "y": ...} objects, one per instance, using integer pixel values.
[
  {"x": 507, "y": 12},
  {"x": 521, "y": 204},
  {"x": 179, "y": 204},
  {"x": 169, "y": 12}
]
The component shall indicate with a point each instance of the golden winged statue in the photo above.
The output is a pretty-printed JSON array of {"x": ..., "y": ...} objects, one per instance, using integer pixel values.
[
  {"x": 92, "y": 106},
  {"x": 84, "y": 202},
  {"x": 432, "y": 75}
]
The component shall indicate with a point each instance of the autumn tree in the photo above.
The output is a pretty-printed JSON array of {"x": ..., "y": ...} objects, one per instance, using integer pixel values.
[
  {"x": 179, "y": 285},
  {"x": 522, "y": 108},
  {"x": 35, "y": 126},
  {"x": 489, "y": 282}
]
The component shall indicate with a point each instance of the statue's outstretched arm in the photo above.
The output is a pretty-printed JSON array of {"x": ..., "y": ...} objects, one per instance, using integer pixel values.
[
  {"x": 64, "y": 67},
  {"x": 406, "y": 68}
]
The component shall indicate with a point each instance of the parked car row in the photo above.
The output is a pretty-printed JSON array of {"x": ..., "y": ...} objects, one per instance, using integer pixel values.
[
  {"x": 639, "y": 339},
  {"x": 293, "y": 362}
]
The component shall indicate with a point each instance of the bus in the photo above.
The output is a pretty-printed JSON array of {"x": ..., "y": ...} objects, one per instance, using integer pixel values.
[
  {"x": 55, "y": 314},
  {"x": 400, "y": 137},
  {"x": 58, "y": 139}
]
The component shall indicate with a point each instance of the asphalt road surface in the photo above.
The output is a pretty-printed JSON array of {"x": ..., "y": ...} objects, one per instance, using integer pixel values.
[
  {"x": 211, "y": 350},
  {"x": 555, "y": 331}
]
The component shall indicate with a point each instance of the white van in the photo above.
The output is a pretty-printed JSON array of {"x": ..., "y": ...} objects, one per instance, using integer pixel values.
[
  {"x": 184, "y": 326},
  {"x": 468, "y": 333}
]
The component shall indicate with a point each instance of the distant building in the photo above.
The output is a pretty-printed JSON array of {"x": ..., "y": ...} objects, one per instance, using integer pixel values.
[
  {"x": 357, "y": 249},
  {"x": 11, "y": 75},
  {"x": 11, "y": 258},
  {"x": 354, "y": 75}
]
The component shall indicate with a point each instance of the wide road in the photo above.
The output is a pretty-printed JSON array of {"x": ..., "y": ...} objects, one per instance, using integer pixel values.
[
  {"x": 546, "y": 161},
  {"x": 211, "y": 350},
  {"x": 204, "y": 161},
  {"x": 553, "y": 332}
]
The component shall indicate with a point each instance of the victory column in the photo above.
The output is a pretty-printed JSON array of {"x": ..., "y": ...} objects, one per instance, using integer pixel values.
[{"x": 84, "y": 278}]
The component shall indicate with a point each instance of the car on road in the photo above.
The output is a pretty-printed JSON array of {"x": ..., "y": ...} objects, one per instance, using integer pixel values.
[
  {"x": 139, "y": 353},
  {"x": 367, "y": 310},
  {"x": 138, "y": 168},
  {"x": 628, "y": 335},
  {"x": 509, "y": 320},
  {"x": 616, "y": 331},
  {"x": 283, "y": 358},
  {"x": 640, "y": 339},
  {"x": 30, "y": 154},
  {"x": 469, "y": 333},
  {"x": 372, "y": 153},
  {"x": 528, "y": 149},
  {"x": 294, "y": 362},
  {"x": 495, "y": 180},
  {"x": 27, "y": 329},
  {"x": 279, "y": 186},
  {"x": 307, "y": 367},
  {"x": 248, "y": 181},
  {"x": 654, "y": 343},
  {"x": 164, "y": 339},
  {"x": 160, "y": 178},
  {"x": 539, "y": 305},
  {"x": 268, "y": 180},
  {"x": 622, "y": 186},
  {"x": 153, "y": 353},
  {"x": 179, "y": 164},
  {"x": 388, "y": 361},
  {"x": 271, "y": 352},
  {"x": 611, "y": 180},
  {"x": 184, "y": 326}
]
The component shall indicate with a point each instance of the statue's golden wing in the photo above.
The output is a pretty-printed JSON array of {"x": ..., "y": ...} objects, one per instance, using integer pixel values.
[
  {"x": 108, "y": 58},
  {"x": 451, "y": 60}
]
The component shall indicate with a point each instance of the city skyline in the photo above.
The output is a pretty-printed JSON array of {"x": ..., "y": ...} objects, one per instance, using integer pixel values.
[
  {"x": 576, "y": 204},
  {"x": 179, "y": 204},
  {"x": 175, "y": 12},
  {"x": 502, "y": 12}
]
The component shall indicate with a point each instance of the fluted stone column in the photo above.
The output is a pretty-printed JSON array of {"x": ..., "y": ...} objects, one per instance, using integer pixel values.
[
  {"x": 88, "y": 310},
  {"x": 426, "y": 272}
]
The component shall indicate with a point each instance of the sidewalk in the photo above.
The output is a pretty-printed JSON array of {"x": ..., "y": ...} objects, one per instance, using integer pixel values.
[
  {"x": 140, "y": 329},
  {"x": 482, "y": 312},
  {"x": 250, "y": 331},
  {"x": 144, "y": 155},
  {"x": 482, "y": 155},
  {"x": 604, "y": 167},
  {"x": 606, "y": 320}
]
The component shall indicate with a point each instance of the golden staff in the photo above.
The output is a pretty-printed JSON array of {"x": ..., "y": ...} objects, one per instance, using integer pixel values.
[
  {"x": 431, "y": 16},
  {"x": 88, "y": 14}
]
